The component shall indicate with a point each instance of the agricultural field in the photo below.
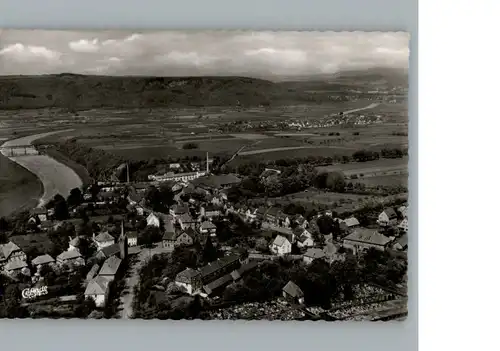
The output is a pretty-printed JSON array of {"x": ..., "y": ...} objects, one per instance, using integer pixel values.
[
  {"x": 387, "y": 180},
  {"x": 380, "y": 167},
  {"x": 339, "y": 202}
]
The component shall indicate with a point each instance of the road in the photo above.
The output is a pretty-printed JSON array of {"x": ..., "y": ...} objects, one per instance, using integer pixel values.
[
  {"x": 373, "y": 105},
  {"x": 56, "y": 177},
  {"x": 127, "y": 297}
]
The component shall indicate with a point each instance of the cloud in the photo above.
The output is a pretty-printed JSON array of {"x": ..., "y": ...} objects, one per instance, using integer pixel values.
[
  {"x": 22, "y": 52},
  {"x": 202, "y": 52},
  {"x": 84, "y": 45}
]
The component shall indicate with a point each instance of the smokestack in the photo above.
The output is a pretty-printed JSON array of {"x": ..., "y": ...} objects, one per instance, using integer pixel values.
[
  {"x": 128, "y": 176},
  {"x": 122, "y": 229},
  {"x": 207, "y": 162}
]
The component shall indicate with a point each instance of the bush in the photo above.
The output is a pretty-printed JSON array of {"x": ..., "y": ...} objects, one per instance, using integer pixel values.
[{"x": 190, "y": 146}]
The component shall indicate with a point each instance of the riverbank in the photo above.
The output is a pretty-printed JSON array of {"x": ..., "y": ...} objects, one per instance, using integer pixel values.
[
  {"x": 56, "y": 177},
  {"x": 19, "y": 188}
]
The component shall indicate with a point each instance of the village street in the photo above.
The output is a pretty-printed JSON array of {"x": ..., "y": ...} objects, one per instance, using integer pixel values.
[{"x": 132, "y": 279}]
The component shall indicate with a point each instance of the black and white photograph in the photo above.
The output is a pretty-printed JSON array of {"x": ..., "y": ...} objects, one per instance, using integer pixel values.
[{"x": 204, "y": 175}]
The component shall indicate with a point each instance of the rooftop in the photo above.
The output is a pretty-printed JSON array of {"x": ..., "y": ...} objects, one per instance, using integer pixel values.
[
  {"x": 15, "y": 264},
  {"x": 104, "y": 237},
  {"x": 369, "y": 236},
  {"x": 7, "y": 249},
  {"x": 97, "y": 286},
  {"x": 293, "y": 290},
  {"x": 219, "y": 264},
  {"x": 280, "y": 240},
  {"x": 43, "y": 259},
  {"x": 110, "y": 266},
  {"x": 69, "y": 255},
  {"x": 314, "y": 253},
  {"x": 111, "y": 250}
]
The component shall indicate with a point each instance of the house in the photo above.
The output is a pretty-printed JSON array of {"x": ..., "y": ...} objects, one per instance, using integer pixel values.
[
  {"x": 210, "y": 211},
  {"x": 132, "y": 238},
  {"x": 74, "y": 244},
  {"x": 218, "y": 284},
  {"x": 388, "y": 217},
  {"x": 43, "y": 260},
  {"x": 222, "y": 181},
  {"x": 332, "y": 253},
  {"x": 70, "y": 258},
  {"x": 313, "y": 254},
  {"x": 178, "y": 210},
  {"x": 174, "y": 166},
  {"x": 10, "y": 252},
  {"x": 40, "y": 212},
  {"x": 244, "y": 269},
  {"x": 362, "y": 239},
  {"x": 153, "y": 220},
  {"x": 401, "y": 243},
  {"x": 403, "y": 225},
  {"x": 110, "y": 268},
  {"x": 293, "y": 293},
  {"x": 305, "y": 241},
  {"x": 220, "y": 267},
  {"x": 281, "y": 245},
  {"x": 403, "y": 211},
  {"x": 108, "y": 251},
  {"x": 16, "y": 266},
  {"x": 172, "y": 239},
  {"x": 189, "y": 279},
  {"x": 98, "y": 290},
  {"x": 328, "y": 213},
  {"x": 208, "y": 227},
  {"x": 283, "y": 220},
  {"x": 300, "y": 221},
  {"x": 186, "y": 221},
  {"x": 103, "y": 239},
  {"x": 271, "y": 215},
  {"x": 351, "y": 222}
]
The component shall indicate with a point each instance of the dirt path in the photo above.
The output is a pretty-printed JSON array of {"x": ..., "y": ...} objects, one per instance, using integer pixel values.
[{"x": 127, "y": 297}]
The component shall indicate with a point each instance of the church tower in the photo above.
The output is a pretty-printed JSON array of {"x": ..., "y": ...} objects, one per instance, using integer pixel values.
[{"x": 123, "y": 242}]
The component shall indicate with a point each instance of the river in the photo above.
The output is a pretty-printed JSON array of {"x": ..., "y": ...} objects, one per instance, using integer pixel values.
[{"x": 56, "y": 177}]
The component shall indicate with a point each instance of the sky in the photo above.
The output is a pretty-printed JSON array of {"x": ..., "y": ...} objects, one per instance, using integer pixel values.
[{"x": 184, "y": 53}]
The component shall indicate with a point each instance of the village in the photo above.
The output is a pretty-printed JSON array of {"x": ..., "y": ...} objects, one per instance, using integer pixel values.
[{"x": 199, "y": 249}]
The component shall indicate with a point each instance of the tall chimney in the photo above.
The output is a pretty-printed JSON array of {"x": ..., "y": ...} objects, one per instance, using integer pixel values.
[
  {"x": 207, "y": 162},
  {"x": 128, "y": 176},
  {"x": 122, "y": 229}
]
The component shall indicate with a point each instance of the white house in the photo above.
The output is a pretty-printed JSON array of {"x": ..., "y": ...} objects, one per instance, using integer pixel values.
[
  {"x": 403, "y": 225},
  {"x": 208, "y": 227},
  {"x": 281, "y": 245},
  {"x": 190, "y": 280},
  {"x": 98, "y": 290},
  {"x": 132, "y": 238},
  {"x": 387, "y": 218},
  {"x": 305, "y": 241}
]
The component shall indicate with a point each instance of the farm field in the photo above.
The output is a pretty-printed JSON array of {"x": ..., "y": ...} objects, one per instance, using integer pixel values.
[
  {"x": 336, "y": 201},
  {"x": 369, "y": 165},
  {"x": 340, "y": 202},
  {"x": 387, "y": 180}
]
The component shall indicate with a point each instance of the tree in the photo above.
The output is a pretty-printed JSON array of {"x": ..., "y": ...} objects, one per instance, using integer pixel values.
[
  {"x": 60, "y": 208},
  {"x": 189, "y": 146},
  {"x": 325, "y": 224},
  {"x": 75, "y": 198},
  {"x": 4, "y": 225},
  {"x": 209, "y": 251},
  {"x": 335, "y": 181},
  {"x": 149, "y": 236}
]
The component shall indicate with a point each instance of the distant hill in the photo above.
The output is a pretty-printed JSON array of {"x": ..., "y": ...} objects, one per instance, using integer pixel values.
[
  {"x": 367, "y": 78},
  {"x": 74, "y": 91}
]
